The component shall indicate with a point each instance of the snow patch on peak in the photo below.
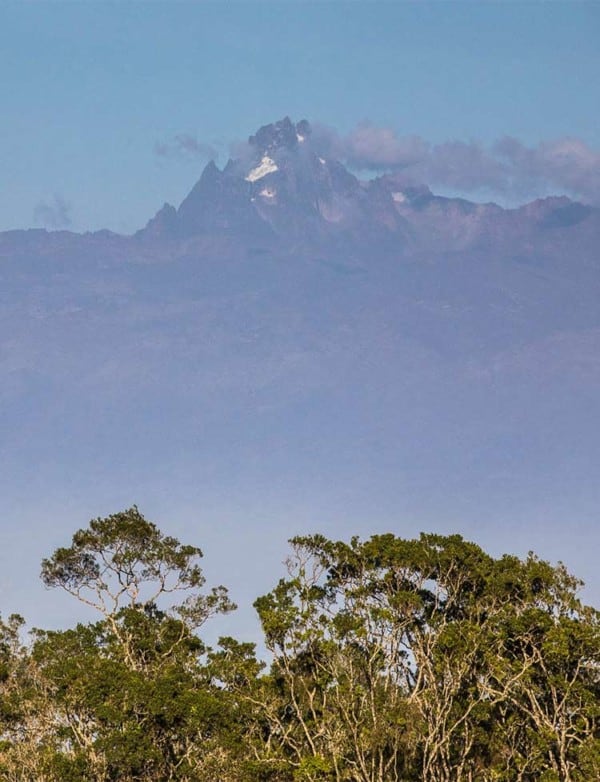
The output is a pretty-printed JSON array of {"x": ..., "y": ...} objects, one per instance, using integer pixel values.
[
  {"x": 266, "y": 166},
  {"x": 268, "y": 192},
  {"x": 321, "y": 161},
  {"x": 300, "y": 137},
  {"x": 398, "y": 197}
]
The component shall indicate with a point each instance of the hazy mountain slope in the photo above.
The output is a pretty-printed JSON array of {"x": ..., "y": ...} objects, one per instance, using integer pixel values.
[{"x": 293, "y": 347}]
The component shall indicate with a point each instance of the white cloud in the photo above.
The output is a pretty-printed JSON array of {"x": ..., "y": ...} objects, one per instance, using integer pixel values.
[{"x": 507, "y": 167}]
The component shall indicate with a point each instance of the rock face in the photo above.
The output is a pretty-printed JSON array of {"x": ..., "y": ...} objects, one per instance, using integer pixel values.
[
  {"x": 281, "y": 192},
  {"x": 279, "y": 189},
  {"x": 290, "y": 331}
]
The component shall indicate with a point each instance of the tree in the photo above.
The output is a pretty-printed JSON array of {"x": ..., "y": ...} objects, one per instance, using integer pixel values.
[
  {"x": 428, "y": 659},
  {"x": 130, "y": 694},
  {"x": 393, "y": 660},
  {"x": 124, "y": 563}
]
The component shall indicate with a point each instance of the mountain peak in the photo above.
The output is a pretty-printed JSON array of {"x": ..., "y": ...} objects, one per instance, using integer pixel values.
[
  {"x": 277, "y": 135},
  {"x": 280, "y": 189}
]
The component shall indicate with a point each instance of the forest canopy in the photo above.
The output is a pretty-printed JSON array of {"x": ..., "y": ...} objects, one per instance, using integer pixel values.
[{"x": 390, "y": 660}]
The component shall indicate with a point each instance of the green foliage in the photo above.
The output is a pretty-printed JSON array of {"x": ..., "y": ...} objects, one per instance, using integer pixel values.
[
  {"x": 490, "y": 666},
  {"x": 125, "y": 560},
  {"x": 391, "y": 660}
]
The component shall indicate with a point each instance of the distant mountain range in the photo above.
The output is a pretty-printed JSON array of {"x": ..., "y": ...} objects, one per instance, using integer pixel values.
[
  {"x": 290, "y": 332},
  {"x": 281, "y": 195}
]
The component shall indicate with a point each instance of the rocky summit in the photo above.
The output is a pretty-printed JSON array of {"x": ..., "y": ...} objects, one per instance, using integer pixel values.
[{"x": 281, "y": 192}]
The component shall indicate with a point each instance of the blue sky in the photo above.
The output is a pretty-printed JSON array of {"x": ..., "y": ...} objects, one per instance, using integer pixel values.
[{"x": 88, "y": 89}]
